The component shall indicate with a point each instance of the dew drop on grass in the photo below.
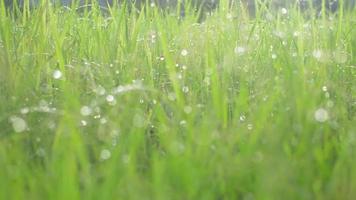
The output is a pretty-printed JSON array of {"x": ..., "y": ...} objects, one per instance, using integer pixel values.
[
  {"x": 103, "y": 121},
  {"x": 321, "y": 115},
  {"x": 279, "y": 34},
  {"x": 57, "y": 74},
  {"x": 242, "y": 118},
  {"x": 110, "y": 98},
  {"x": 240, "y": 50},
  {"x": 185, "y": 89},
  {"x": 249, "y": 126},
  {"x": 105, "y": 154},
  {"x": 83, "y": 123},
  {"x": 183, "y": 123},
  {"x": 172, "y": 96},
  {"x": 317, "y": 54},
  {"x": 330, "y": 104},
  {"x": 284, "y": 11},
  {"x": 18, "y": 124},
  {"x": 325, "y": 88},
  {"x": 100, "y": 90},
  {"x": 25, "y": 110},
  {"x": 180, "y": 76},
  {"x": 274, "y": 56},
  {"x": 85, "y": 111},
  {"x": 184, "y": 52}
]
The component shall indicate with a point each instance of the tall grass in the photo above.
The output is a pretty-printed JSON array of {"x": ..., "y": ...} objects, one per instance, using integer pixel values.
[{"x": 149, "y": 105}]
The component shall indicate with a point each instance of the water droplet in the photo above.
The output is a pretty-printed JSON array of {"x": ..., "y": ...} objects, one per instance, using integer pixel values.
[
  {"x": 103, "y": 120},
  {"x": 184, "y": 52},
  {"x": 265, "y": 98},
  {"x": 172, "y": 96},
  {"x": 57, "y": 74},
  {"x": 25, "y": 110},
  {"x": 105, "y": 154},
  {"x": 317, "y": 54},
  {"x": 18, "y": 124},
  {"x": 240, "y": 50},
  {"x": 183, "y": 123},
  {"x": 330, "y": 104},
  {"x": 321, "y": 115},
  {"x": 100, "y": 90},
  {"x": 85, "y": 111},
  {"x": 185, "y": 89},
  {"x": 249, "y": 126},
  {"x": 279, "y": 34},
  {"x": 274, "y": 56},
  {"x": 284, "y": 11},
  {"x": 242, "y": 118},
  {"x": 110, "y": 98},
  {"x": 83, "y": 123}
]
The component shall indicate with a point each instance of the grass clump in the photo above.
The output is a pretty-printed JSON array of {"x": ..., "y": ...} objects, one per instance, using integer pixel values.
[{"x": 149, "y": 105}]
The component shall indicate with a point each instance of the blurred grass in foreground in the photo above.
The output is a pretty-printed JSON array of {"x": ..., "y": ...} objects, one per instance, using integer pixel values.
[{"x": 152, "y": 106}]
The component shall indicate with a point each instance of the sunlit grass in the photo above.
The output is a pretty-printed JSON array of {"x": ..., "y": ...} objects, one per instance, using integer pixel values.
[{"x": 150, "y": 105}]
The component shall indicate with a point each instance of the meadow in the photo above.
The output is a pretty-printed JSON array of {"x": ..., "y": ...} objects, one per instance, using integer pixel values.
[{"x": 153, "y": 105}]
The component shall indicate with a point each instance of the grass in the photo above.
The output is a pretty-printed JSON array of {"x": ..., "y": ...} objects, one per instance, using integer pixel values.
[{"x": 149, "y": 106}]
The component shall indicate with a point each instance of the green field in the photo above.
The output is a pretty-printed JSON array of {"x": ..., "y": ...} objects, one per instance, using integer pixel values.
[{"x": 149, "y": 105}]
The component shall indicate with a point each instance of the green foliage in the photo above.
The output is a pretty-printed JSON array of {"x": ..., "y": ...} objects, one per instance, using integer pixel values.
[{"x": 148, "y": 105}]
